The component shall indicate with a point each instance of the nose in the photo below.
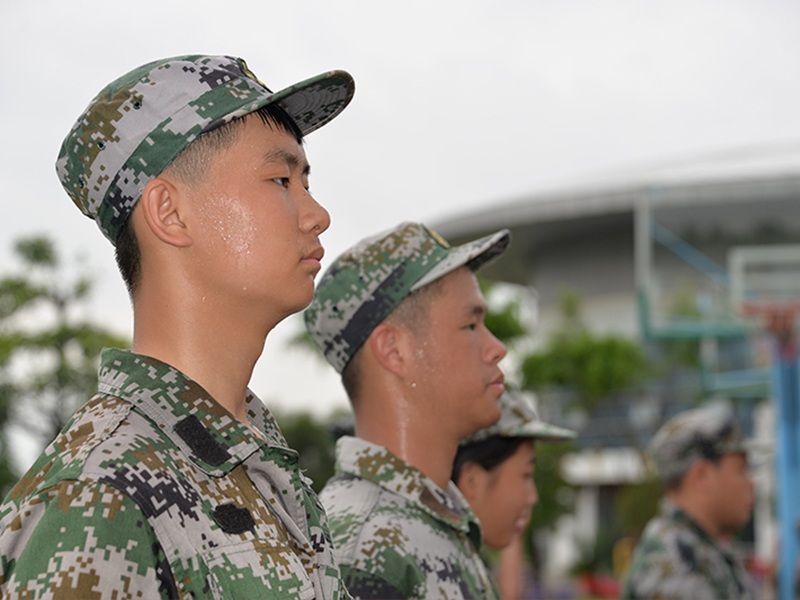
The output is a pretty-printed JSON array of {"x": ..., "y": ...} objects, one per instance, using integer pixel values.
[
  {"x": 533, "y": 495},
  {"x": 495, "y": 349},
  {"x": 315, "y": 217}
]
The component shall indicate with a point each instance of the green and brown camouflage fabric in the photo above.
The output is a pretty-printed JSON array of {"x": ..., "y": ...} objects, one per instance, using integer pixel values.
[
  {"x": 518, "y": 418},
  {"x": 676, "y": 559},
  {"x": 140, "y": 122},
  {"x": 691, "y": 435},
  {"x": 365, "y": 283},
  {"x": 396, "y": 534},
  {"x": 153, "y": 490}
]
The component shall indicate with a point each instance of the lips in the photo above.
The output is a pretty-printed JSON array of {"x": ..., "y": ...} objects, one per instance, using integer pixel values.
[
  {"x": 499, "y": 380},
  {"x": 315, "y": 254}
]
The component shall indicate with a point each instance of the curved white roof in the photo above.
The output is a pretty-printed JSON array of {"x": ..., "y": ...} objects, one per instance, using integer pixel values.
[{"x": 742, "y": 174}]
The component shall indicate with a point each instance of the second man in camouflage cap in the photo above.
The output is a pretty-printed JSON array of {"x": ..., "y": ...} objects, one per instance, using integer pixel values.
[{"x": 400, "y": 315}]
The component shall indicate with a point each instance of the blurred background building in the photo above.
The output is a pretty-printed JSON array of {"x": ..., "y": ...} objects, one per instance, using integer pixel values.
[{"x": 651, "y": 252}]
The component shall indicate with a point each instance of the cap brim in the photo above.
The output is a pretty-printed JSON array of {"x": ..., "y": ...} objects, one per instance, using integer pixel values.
[
  {"x": 544, "y": 432},
  {"x": 475, "y": 254},
  {"x": 315, "y": 101}
]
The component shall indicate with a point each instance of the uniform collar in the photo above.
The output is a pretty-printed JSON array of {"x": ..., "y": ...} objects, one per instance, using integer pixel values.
[
  {"x": 355, "y": 456},
  {"x": 186, "y": 413}
]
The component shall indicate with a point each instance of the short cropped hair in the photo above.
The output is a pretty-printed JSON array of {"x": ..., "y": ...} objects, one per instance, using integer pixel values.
[
  {"x": 190, "y": 167},
  {"x": 673, "y": 484},
  {"x": 412, "y": 314},
  {"x": 488, "y": 453}
]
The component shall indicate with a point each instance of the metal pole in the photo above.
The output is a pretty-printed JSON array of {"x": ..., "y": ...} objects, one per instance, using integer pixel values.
[
  {"x": 786, "y": 391},
  {"x": 643, "y": 251}
]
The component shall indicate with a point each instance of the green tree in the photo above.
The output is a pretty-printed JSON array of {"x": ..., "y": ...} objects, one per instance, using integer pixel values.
[
  {"x": 503, "y": 319},
  {"x": 49, "y": 348},
  {"x": 574, "y": 358},
  {"x": 637, "y": 503},
  {"x": 313, "y": 441},
  {"x": 682, "y": 353}
]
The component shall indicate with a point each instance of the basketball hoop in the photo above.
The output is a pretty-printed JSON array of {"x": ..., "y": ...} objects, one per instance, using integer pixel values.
[
  {"x": 779, "y": 319},
  {"x": 765, "y": 286}
]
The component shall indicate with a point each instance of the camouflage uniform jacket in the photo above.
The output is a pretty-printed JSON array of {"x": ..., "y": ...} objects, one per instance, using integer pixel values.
[
  {"x": 396, "y": 534},
  {"x": 677, "y": 559},
  {"x": 154, "y": 490}
]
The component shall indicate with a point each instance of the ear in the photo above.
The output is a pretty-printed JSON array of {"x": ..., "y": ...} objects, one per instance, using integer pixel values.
[
  {"x": 387, "y": 345},
  {"x": 163, "y": 205},
  {"x": 697, "y": 474},
  {"x": 471, "y": 480}
]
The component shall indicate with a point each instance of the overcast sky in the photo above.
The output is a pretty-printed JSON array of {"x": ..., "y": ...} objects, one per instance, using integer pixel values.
[{"x": 458, "y": 105}]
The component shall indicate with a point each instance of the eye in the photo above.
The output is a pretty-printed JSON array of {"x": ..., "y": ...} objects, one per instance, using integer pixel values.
[{"x": 281, "y": 181}]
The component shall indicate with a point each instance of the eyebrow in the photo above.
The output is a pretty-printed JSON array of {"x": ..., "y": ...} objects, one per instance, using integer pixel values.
[
  {"x": 282, "y": 155},
  {"x": 477, "y": 310}
]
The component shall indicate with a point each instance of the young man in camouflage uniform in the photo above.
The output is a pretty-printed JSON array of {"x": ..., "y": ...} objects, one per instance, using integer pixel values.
[
  {"x": 685, "y": 551},
  {"x": 174, "y": 481},
  {"x": 494, "y": 469},
  {"x": 400, "y": 316}
]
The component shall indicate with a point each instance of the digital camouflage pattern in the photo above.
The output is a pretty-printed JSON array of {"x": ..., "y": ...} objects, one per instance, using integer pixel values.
[
  {"x": 366, "y": 282},
  {"x": 695, "y": 434},
  {"x": 519, "y": 419},
  {"x": 139, "y": 123},
  {"x": 676, "y": 559},
  {"x": 153, "y": 490},
  {"x": 396, "y": 534}
]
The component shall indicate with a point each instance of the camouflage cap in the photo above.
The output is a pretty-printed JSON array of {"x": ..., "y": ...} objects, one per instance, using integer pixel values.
[
  {"x": 518, "y": 418},
  {"x": 139, "y": 123},
  {"x": 369, "y": 280},
  {"x": 695, "y": 434}
]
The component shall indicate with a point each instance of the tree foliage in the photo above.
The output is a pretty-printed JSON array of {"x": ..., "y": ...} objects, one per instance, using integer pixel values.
[
  {"x": 49, "y": 350},
  {"x": 314, "y": 441},
  {"x": 636, "y": 504},
  {"x": 591, "y": 365},
  {"x": 503, "y": 320}
]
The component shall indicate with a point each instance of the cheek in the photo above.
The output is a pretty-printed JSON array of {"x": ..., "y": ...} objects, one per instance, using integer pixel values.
[
  {"x": 432, "y": 359},
  {"x": 231, "y": 223},
  {"x": 511, "y": 493}
]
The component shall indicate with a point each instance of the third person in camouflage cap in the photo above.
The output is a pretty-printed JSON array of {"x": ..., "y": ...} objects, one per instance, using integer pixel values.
[
  {"x": 174, "y": 481},
  {"x": 494, "y": 470},
  {"x": 400, "y": 316},
  {"x": 686, "y": 551}
]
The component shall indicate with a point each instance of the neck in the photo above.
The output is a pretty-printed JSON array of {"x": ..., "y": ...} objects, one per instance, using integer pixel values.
[
  {"x": 392, "y": 422},
  {"x": 694, "y": 509},
  {"x": 212, "y": 343}
]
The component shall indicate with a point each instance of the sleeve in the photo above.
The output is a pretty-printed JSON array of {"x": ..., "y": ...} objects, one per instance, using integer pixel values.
[
  {"x": 82, "y": 540},
  {"x": 362, "y": 584}
]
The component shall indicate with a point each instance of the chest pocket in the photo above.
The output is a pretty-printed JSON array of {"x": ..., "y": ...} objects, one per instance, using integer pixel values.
[{"x": 256, "y": 569}]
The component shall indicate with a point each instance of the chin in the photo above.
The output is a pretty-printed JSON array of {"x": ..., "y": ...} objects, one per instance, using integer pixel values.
[
  {"x": 496, "y": 413},
  {"x": 293, "y": 308},
  {"x": 498, "y": 542},
  {"x": 305, "y": 299}
]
